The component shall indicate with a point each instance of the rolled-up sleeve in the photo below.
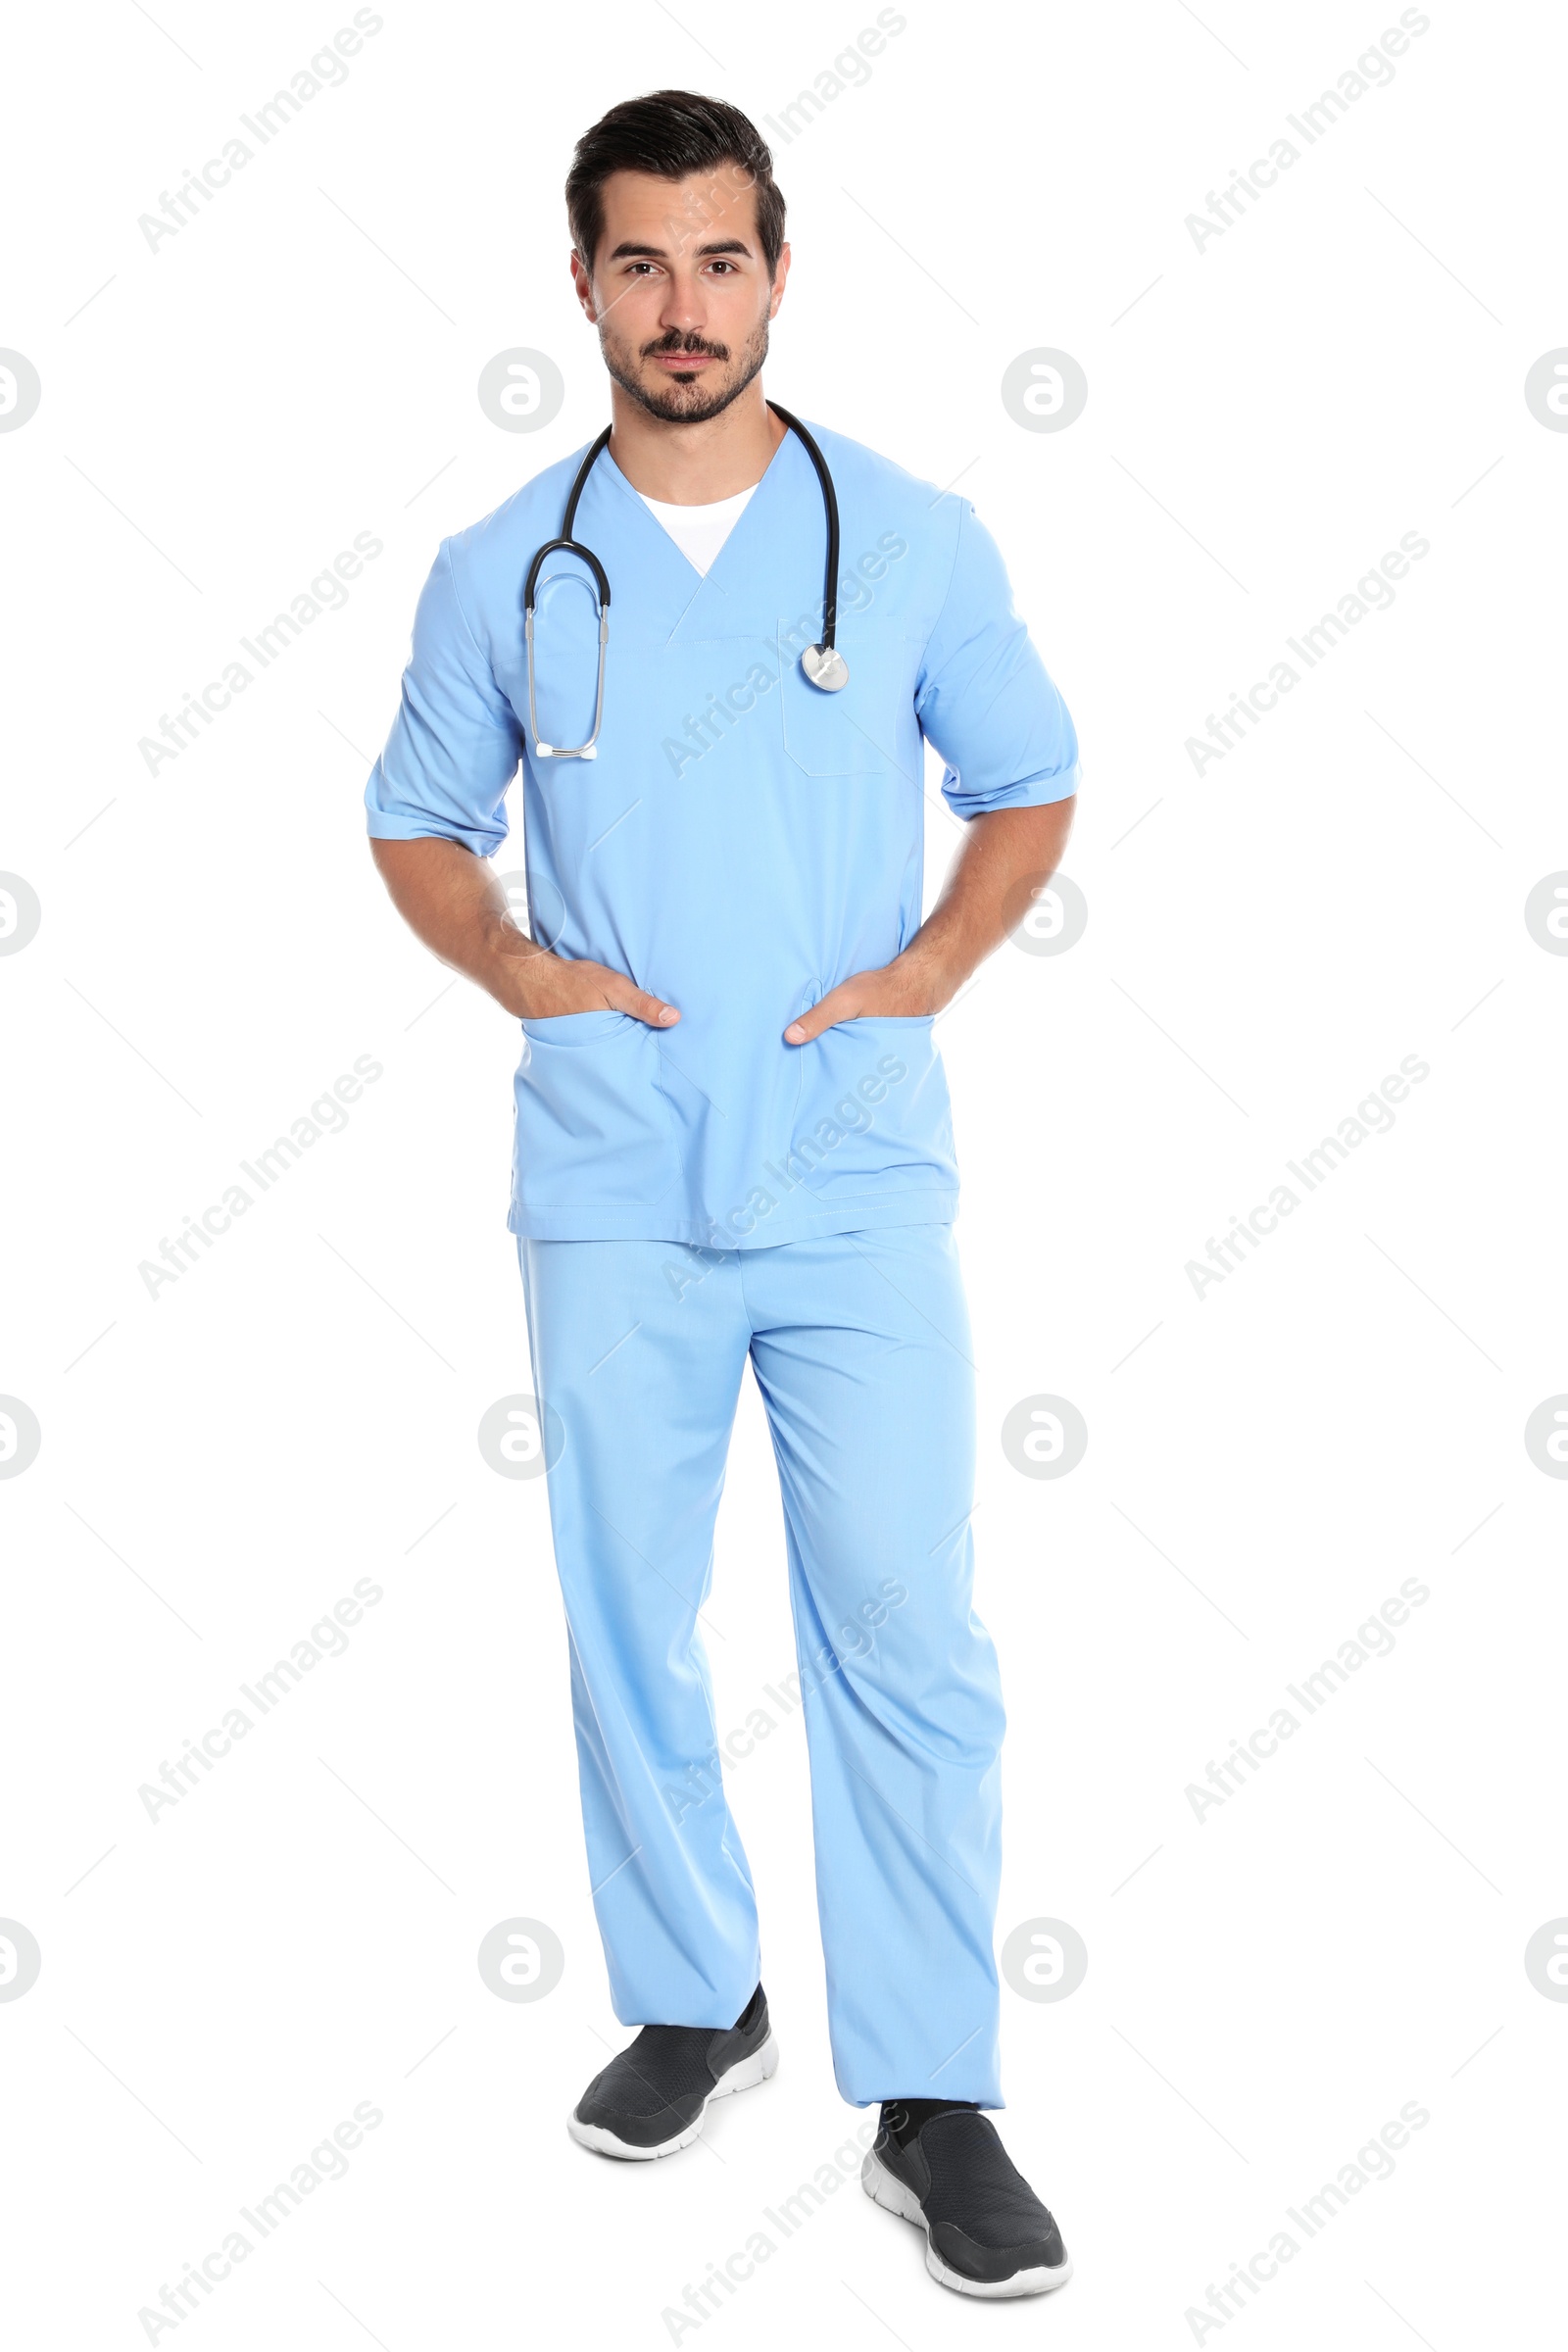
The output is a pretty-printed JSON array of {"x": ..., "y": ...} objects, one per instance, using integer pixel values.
[
  {"x": 455, "y": 743},
  {"x": 984, "y": 698}
]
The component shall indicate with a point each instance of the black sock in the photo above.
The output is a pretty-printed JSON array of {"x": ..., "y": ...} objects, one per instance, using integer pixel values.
[
  {"x": 902, "y": 2119},
  {"x": 751, "y": 2011}
]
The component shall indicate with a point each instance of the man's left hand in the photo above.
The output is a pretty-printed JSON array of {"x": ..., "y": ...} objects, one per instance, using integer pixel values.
[
  {"x": 1006, "y": 859},
  {"x": 908, "y": 987}
]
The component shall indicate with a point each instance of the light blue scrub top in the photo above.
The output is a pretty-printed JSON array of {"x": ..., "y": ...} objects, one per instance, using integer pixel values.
[{"x": 741, "y": 843}]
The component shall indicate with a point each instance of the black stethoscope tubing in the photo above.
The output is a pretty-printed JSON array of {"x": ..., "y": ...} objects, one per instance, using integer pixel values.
[{"x": 567, "y": 545}]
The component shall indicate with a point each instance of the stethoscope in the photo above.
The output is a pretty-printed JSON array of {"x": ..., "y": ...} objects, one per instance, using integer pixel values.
[{"x": 822, "y": 663}]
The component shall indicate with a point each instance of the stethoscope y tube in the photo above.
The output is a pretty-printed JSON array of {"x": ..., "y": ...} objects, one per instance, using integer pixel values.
[{"x": 822, "y": 663}]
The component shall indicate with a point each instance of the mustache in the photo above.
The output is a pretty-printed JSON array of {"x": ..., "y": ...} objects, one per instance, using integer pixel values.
[{"x": 674, "y": 341}]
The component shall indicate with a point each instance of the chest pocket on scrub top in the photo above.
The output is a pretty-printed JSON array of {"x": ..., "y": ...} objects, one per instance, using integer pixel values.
[
  {"x": 855, "y": 731},
  {"x": 565, "y": 656}
]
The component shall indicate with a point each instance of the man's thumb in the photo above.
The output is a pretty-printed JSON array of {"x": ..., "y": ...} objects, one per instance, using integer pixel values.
[
  {"x": 821, "y": 1015},
  {"x": 652, "y": 1009}
]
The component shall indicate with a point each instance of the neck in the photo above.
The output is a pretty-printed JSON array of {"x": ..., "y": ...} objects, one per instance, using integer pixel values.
[{"x": 694, "y": 465}]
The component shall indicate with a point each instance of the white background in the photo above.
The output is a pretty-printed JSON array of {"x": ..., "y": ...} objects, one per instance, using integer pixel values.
[{"x": 220, "y": 1464}]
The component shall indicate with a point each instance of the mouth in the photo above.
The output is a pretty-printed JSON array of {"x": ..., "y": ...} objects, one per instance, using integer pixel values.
[{"x": 684, "y": 362}]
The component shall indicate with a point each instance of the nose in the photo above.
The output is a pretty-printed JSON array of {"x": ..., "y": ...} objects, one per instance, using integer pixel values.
[{"x": 683, "y": 306}]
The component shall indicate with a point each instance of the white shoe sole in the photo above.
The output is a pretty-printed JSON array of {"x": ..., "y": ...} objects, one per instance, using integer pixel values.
[
  {"x": 888, "y": 2191},
  {"x": 744, "y": 2075}
]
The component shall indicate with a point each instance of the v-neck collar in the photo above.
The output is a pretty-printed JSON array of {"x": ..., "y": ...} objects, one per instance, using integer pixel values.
[{"x": 732, "y": 556}]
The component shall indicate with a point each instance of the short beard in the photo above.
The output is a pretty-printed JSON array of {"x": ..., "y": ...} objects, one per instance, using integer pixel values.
[{"x": 681, "y": 403}]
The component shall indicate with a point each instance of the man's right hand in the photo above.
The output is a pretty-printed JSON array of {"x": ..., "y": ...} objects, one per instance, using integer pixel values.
[
  {"x": 452, "y": 901},
  {"x": 538, "y": 987}
]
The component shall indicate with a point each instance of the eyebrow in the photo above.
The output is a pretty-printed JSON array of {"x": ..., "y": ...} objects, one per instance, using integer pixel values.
[{"x": 657, "y": 253}]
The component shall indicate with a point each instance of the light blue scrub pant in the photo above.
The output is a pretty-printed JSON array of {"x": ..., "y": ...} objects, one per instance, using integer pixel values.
[{"x": 859, "y": 1343}]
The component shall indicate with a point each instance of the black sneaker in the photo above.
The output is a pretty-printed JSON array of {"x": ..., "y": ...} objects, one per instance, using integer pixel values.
[
  {"x": 651, "y": 2100},
  {"x": 986, "y": 2231}
]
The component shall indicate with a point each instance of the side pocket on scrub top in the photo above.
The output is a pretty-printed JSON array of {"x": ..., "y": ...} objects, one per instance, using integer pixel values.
[
  {"x": 874, "y": 1113},
  {"x": 594, "y": 1130}
]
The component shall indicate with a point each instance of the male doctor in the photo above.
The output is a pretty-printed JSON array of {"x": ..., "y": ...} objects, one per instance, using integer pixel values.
[{"x": 733, "y": 1142}]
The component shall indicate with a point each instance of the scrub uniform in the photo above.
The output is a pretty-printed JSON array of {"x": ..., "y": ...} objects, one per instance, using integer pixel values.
[{"x": 686, "y": 1198}]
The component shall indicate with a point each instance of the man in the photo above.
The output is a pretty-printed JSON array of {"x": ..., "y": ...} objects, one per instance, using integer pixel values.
[{"x": 733, "y": 1141}]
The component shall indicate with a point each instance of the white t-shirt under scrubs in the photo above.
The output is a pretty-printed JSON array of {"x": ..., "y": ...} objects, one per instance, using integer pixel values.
[{"x": 699, "y": 531}]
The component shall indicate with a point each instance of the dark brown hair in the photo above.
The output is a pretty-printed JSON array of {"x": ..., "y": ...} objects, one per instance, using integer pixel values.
[{"x": 670, "y": 135}]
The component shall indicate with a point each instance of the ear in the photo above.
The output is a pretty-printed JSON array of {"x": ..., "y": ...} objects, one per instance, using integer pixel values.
[
  {"x": 584, "y": 286},
  {"x": 779, "y": 277}
]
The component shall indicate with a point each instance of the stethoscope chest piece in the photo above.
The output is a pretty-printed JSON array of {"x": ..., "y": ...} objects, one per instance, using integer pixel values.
[{"x": 825, "y": 667}]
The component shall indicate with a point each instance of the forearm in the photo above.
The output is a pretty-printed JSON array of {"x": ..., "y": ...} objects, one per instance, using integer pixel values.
[
  {"x": 451, "y": 899},
  {"x": 1006, "y": 858},
  {"x": 452, "y": 902}
]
